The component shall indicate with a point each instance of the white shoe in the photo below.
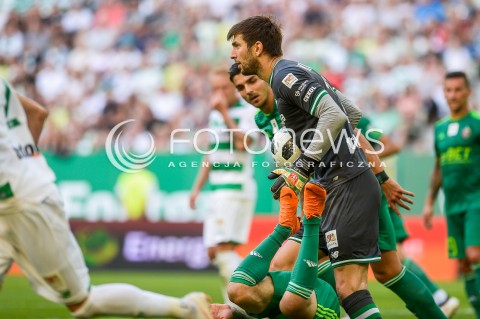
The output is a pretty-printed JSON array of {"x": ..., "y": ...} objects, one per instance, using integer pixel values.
[
  {"x": 200, "y": 303},
  {"x": 450, "y": 306}
]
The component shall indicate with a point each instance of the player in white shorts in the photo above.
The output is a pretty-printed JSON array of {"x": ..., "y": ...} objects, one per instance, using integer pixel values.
[
  {"x": 34, "y": 231},
  {"x": 228, "y": 168}
]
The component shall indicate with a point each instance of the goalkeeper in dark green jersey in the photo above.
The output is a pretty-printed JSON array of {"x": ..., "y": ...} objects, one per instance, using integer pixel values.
[
  {"x": 457, "y": 171},
  {"x": 389, "y": 271}
]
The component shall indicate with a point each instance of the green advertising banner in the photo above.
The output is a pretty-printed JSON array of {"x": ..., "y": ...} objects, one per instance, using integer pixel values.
[{"x": 94, "y": 190}]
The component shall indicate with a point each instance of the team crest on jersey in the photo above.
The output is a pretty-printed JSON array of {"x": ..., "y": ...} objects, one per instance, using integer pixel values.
[
  {"x": 466, "y": 132},
  {"x": 289, "y": 80},
  {"x": 331, "y": 239}
]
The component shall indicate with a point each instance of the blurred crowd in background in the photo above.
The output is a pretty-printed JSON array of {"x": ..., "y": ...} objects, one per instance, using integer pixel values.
[{"x": 96, "y": 63}]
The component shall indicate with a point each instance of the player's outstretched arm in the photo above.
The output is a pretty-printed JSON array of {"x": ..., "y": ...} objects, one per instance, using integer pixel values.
[
  {"x": 36, "y": 116},
  {"x": 435, "y": 184}
]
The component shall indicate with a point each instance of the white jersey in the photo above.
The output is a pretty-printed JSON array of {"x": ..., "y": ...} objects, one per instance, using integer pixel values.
[
  {"x": 230, "y": 168},
  {"x": 24, "y": 173}
]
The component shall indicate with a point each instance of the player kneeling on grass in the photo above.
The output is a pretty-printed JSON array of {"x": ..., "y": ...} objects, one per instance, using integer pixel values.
[
  {"x": 34, "y": 231},
  {"x": 281, "y": 294}
]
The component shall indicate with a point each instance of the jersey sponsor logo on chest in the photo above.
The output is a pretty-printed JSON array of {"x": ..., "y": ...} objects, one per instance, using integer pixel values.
[
  {"x": 452, "y": 129},
  {"x": 302, "y": 87},
  {"x": 309, "y": 93},
  {"x": 289, "y": 80}
]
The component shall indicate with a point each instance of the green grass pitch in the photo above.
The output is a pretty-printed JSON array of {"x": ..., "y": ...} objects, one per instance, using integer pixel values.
[{"x": 18, "y": 301}]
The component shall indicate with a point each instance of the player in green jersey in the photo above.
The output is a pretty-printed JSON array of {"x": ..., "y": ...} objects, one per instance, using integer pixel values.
[
  {"x": 283, "y": 294},
  {"x": 457, "y": 171},
  {"x": 389, "y": 271},
  {"x": 257, "y": 93},
  {"x": 449, "y": 305}
]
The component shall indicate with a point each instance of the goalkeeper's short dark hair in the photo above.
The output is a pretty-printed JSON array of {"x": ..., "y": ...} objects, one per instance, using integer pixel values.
[
  {"x": 234, "y": 70},
  {"x": 263, "y": 28}
]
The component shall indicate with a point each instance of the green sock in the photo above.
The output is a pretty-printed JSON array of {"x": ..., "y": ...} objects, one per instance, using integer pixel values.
[
  {"x": 417, "y": 271},
  {"x": 304, "y": 273},
  {"x": 476, "y": 271},
  {"x": 255, "y": 266},
  {"x": 325, "y": 272},
  {"x": 414, "y": 293},
  {"x": 473, "y": 291}
]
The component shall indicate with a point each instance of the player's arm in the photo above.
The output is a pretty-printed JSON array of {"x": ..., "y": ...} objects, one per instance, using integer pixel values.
[
  {"x": 389, "y": 146},
  {"x": 382, "y": 143},
  {"x": 435, "y": 184},
  {"x": 394, "y": 193},
  {"x": 309, "y": 94},
  {"x": 354, "y": 114},
  {"x": 202, "y": 178},
  {"x": 220, "y": 103},
  {"x": 36, "y": 116}
]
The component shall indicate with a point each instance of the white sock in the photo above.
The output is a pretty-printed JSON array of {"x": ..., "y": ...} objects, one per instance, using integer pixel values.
[
  {"x": 128, "y": 300},
  {"x": 440, "y": 296},
  {"x": 227, "y": 261}
]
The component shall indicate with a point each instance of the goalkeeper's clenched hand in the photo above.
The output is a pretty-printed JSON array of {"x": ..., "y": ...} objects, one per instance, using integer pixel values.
[{"x": 295, "y": 176}]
